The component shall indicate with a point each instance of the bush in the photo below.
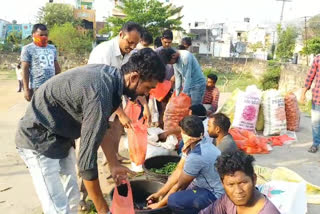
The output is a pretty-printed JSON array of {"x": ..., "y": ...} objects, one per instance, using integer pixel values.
[
  {"x": 69, "y": 40},
  {"x": 207, "y": 71},
  {"x": 271, "y": 78}
]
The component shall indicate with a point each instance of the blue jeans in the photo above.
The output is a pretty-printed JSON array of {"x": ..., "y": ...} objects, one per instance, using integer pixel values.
[
  {"x": 190, "y": 201},
  {"x": 197, "y": 93},
  {"x": 55, "y": 181},
  {"x": 315, "y": 118}
]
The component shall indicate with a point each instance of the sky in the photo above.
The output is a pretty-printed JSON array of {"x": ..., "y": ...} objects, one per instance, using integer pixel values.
[{"x": 212, "y": 11}]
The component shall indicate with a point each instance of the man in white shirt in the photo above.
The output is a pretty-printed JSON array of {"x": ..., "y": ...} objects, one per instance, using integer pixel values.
[{"x": 117, "y": 52}]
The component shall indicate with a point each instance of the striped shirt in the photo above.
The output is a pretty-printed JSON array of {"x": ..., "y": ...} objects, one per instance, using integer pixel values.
[
  {"x": 314, "y": 73},
  {"x": 211, "y": 96}
]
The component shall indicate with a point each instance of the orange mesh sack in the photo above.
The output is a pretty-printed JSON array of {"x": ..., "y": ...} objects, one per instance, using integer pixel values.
[
  {"x": 137, "y": 136},
  {"x": 176, "y": 110},
  {"x": 161, "y": 90},
  {"x": 122, "y": 201},
  {"x": 292, "y": 112}
]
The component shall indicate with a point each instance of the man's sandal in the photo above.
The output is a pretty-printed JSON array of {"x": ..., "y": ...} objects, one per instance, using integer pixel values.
[{"x": 313, "y": 149}]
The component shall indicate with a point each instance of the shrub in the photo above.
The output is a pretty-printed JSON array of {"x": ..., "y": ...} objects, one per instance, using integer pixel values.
[{"x": 270, "y": 79}]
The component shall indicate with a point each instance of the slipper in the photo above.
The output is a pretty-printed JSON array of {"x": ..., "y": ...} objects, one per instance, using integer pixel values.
[{"x": 313, "y": 149}]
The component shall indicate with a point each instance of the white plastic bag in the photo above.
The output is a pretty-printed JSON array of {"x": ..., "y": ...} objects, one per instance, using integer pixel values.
[
  {"x": 274, "y": 113},
  {"x": 247, "y": 108},
  {"x": 288, "y": 197},
  {"x": 156, "y": 148}
]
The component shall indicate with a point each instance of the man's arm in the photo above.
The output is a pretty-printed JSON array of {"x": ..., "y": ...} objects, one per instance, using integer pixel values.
[
  {"x": 183, "y": 182},
  {"x": 215, "y": 99},
  {"x": 25, "y": 77},
  {"x": 172, "y": 180},
  {"x": 309, "y": 79},
  {"x": 57, "y": 67},
  {"x": 118, "y": 173}
]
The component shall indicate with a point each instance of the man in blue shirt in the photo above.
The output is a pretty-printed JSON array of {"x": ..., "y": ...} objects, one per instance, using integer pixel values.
[
  {"x": 188, "y": 74},
  {"x": 38, "y": 61},
  {"x": 195, "y": 183}
]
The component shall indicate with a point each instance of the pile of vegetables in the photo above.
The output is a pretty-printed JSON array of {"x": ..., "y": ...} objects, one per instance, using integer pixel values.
[{"x": 167, "y": 169}]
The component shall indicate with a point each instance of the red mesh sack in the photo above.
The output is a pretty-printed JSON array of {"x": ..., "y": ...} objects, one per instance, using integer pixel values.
[
  {"x": 161, "y": 90},
  {"x": 122, "y": 201},
  {"x": 248, "y": 142},
  {"x": 292, "y": 112},
  {"x": 137, "y": 136},
  {"x": 176, "y": 110}
]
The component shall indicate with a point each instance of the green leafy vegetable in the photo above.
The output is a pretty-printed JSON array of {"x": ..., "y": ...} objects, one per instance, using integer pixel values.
[{"x": 167, "y": 169}]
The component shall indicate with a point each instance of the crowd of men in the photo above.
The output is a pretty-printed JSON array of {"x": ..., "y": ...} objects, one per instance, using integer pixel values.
[{"x": 85, "y": 103}]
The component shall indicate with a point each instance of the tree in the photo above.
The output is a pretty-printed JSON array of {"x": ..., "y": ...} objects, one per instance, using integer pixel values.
[
  {"x": 314, "y": 26},
  {"x": 59, "y": 14},
  {"x": 151, "y": 14},
  {"x": 70, "y": 40},
  {"x": 286, "y": 43},
  {"x": 312, "y": 47}
]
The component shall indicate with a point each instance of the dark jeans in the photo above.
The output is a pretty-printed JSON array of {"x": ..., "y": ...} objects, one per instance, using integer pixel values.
[{"x": 191, "y": 200}]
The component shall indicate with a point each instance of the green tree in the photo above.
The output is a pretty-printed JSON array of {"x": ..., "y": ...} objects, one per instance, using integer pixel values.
[
  {"x": 286, "y": 43},
  {"x": 59, "y": 14},
  {"x": 314, "y": 26},
  {"x": 151, "y": 14},
  {"x": 69, "y": 40},
  {"x": 312, "y": 47}
]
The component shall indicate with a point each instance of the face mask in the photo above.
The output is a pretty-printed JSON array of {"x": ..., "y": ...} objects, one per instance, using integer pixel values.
[
  {"x": 185, "y": 138},
  {"x": 41, "y": 41}
]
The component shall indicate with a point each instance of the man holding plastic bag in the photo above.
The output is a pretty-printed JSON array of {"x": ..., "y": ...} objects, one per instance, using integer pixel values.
[{"x": 77, "y": 104}]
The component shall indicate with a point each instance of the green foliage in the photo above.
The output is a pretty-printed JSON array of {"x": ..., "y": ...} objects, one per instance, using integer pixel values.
[
  {"x": 207, "y": 71},
  {"x": 271, "y": 77},
  {"x": 254, "y": 47},
  {"x": 313, "y": 46},
  {"x": 56, "y": 14},
  {"x": 228, "y": 82},
  {"x": 314, "y": 26},
  {"x": 69, "y": 40},
  {"x": 12, "y": 42},
  {"x": 286, "y": 43},
  {"x": 151, "y": 14},
  {"x": 167, "y": 169}
]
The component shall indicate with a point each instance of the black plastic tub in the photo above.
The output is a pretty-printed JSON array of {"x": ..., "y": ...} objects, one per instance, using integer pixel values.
[
  {"x": 158, "y": 162},
  {"x": 141, "y": 189}
]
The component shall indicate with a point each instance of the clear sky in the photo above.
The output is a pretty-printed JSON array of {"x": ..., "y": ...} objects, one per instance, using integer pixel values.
[{"x": 25, "y": 11}]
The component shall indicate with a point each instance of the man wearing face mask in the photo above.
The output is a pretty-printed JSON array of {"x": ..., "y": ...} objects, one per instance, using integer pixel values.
[
  {"x": 78, "y": 103},
  {"x": 38, "y": 61},
  {"x": 195, "y": 183}
]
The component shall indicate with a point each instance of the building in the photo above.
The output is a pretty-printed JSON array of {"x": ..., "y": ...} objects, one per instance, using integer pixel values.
[
  {"x": 84, "y": 11},
  {"x": 13, "y": 28},
  {"x": 26, "y": 30},
  {"x": 3, "y": 29}
]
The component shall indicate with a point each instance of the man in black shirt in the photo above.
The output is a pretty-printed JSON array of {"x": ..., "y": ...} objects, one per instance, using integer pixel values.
[{"x": 77, "y": 104}]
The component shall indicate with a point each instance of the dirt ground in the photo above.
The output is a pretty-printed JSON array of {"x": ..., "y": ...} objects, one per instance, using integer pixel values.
[{"x": 18, "y": 195}]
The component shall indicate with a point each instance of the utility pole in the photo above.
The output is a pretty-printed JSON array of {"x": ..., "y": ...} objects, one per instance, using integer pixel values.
[
  {"x": 306, "y": 36},
  {"x": 283, "y": 3}
]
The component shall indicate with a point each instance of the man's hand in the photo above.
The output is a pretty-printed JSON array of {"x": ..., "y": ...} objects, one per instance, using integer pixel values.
[
  {"x": 146, "y": 114},
  {"x": 155, "y": 197},
  {"x": 303, "y": 98},
  {"x": 120, "y": 173},
  {"x": 163, "y": 136},
  {"x": 125, "y": 121},
  {"x": 154, "y": 206},
  {"x": 28, "y": 94}
]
